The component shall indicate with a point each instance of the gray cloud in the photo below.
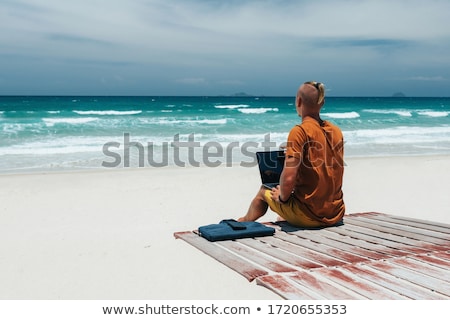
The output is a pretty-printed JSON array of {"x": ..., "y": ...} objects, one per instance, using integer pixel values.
[
  {"x": 192, "y": 81},
  {"x": 427, "y": 78},
  {"x": 59, "y": 37},
  {"x": 265, "y": 47}
]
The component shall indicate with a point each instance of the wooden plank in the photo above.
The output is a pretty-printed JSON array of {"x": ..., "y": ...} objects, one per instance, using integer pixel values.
[
  {"x": 256, "y": 257},
  {"x": 310, "y": 254},
  {"x": 269, "y": 247},
  {"x": 403, "y": 287},
  {"x": 241, "y": 266},
  {"x": 320, "y": 237},
  {"x": 372, "y": 236},
  {"x": 285, "y": 288},
  {"x": 434, "y": 231},
  {"x": 416, "y": 277},
  {"x": 399, "y": 234},
  {"x": 433, "y": 259},
  {"x": 383, "y": 252},
  {"x": 316, "y": 246},
  {"x": 418, "y": 223},
  {"x": 388, "y": 239},
  {"x": 443, "y": 255},
  {"x": 366, "y": 288},
  {"x": 326, "y": 289},
  {"x": 429, "y": 270},
  {"x": 402, "y": 230}
]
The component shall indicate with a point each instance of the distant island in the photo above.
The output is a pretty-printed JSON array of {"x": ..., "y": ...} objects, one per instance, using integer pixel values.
[
  {"x": 398, "y": 95},
  {"x": 241, "y": 94}
]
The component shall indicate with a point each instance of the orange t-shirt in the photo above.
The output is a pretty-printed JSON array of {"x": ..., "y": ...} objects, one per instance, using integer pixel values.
[{"x": 318, "y": 187}]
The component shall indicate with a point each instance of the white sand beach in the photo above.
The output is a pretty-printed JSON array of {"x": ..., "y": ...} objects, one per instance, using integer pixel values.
[{"x": 109, "y": 234}]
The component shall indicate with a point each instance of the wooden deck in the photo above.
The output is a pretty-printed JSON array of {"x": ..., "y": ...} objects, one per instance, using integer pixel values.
[{"x": 371, "y": 256}]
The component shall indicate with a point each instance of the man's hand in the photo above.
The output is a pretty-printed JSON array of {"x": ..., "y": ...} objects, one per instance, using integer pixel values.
[{"x": 275, "y": 193}]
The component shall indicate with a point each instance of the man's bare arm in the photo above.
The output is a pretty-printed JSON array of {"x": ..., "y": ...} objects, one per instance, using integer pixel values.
[{"x": 288, "y": 177}]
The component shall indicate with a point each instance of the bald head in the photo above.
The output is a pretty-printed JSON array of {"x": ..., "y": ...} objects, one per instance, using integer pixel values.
[
  {"x": 312, "y": 94},
  {"x": 310, "y": 98}
]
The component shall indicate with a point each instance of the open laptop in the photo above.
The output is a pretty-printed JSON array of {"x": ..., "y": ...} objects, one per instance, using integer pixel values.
[{"x": 271, "y": 164}]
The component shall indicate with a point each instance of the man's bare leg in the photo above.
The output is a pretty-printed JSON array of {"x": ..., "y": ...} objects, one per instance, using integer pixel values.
[{"x": 258, "y": 207}]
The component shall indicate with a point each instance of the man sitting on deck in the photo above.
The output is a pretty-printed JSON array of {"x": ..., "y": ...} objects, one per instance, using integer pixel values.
[{"x": 310, "y": 189}]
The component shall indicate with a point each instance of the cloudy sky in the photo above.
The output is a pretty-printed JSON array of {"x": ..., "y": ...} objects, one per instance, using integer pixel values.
[{"x": 220, "y": 47}]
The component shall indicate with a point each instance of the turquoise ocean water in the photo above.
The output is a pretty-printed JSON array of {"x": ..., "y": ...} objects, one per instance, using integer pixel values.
[{"x": 53, "y": 133}]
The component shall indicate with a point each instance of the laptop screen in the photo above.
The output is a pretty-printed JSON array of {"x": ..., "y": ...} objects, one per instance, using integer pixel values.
[{"x": 271, "y": 165}]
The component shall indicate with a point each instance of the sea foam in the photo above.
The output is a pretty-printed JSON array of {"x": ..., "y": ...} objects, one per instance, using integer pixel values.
[
  {"x": 108, "y": 112},
  {"x": 256, "y": 110},
  {"x": 403, "y": 113},
  {"x": 397, "y": 135},
  {"x": 50, "y": 122},
  {"x": 231, "y": 106},
  {"x": 342, "y": 115},
  {"x": 191, "y": 121},
  {"x": 434, "y": 114}
]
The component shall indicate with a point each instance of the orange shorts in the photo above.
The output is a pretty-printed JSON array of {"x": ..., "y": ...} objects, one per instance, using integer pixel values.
[{"x": 291, "y": 212}]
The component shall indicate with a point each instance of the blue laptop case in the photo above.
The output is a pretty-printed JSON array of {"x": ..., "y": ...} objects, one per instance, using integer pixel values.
[{"x": 231, "y": 229}]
